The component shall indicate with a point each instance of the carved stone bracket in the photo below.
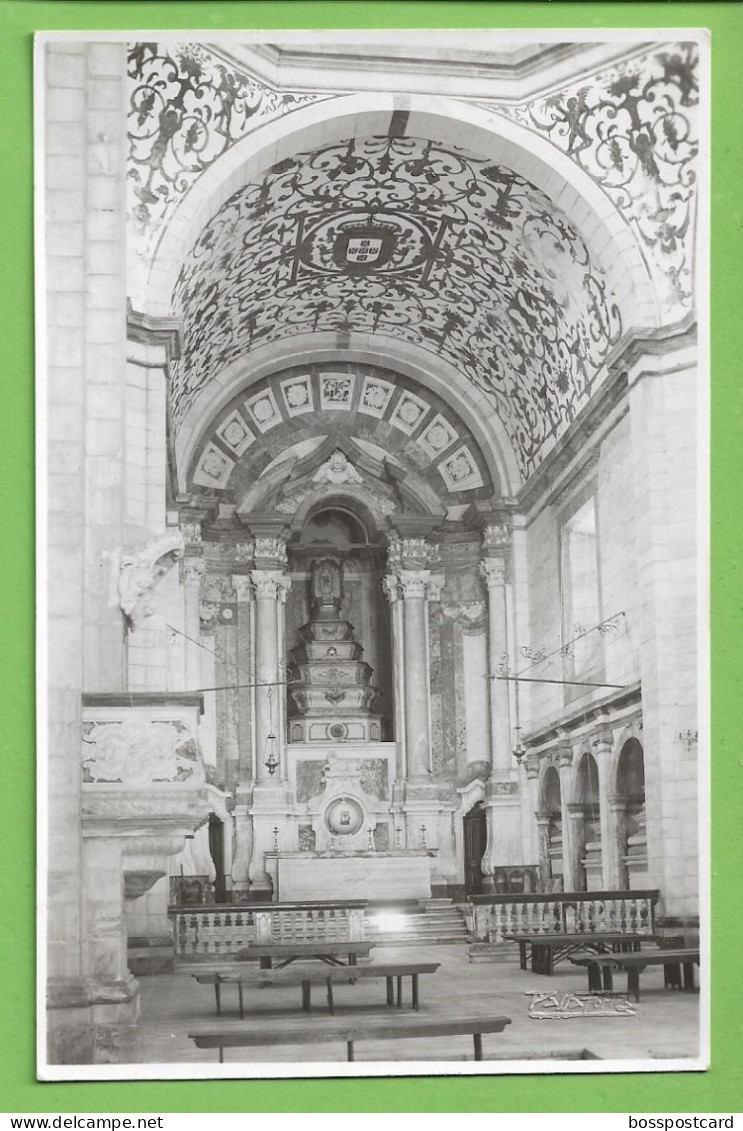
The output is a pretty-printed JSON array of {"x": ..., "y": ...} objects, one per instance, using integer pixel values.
[
  {"x": 136, "y": 572},
  {"x": 391, "y": 587}
]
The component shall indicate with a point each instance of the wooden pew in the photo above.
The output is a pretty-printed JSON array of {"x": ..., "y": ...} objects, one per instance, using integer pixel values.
[
  {"x": 380, "y": 1028},
  {"x": 306, "y": 977},
  {"x": 600, "y": 967},
  {"x": 332, "y": 953},
  {"x": 548, "y": 950}
]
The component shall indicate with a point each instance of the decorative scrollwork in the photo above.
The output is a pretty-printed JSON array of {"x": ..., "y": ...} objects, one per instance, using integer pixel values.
[
  {"x": 186, "y": 108},
  {"x": 633, "y": 130},
  {"x": 474, "y": 263}
]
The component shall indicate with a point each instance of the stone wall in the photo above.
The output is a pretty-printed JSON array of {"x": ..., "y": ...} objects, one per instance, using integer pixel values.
[{"x": 85, "y": 363}]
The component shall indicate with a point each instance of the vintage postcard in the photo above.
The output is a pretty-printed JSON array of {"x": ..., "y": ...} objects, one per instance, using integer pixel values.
[{"x": 372, "y": 440}]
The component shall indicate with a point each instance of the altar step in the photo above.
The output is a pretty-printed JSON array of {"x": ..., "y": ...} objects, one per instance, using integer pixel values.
[{"x": 429, "y": 923}]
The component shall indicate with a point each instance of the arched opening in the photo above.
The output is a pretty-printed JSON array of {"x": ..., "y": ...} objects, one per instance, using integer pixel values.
[
  {"x": 338, "y": 636},
  {"x": 551, "y": 838},
  {"x": 632, "y": 840},
  {"x": 587, "y": 826},
  {"x": 475, "y": 843}
]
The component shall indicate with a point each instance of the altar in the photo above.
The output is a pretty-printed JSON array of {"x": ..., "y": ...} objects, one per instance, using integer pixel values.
[{"x": 400, "y": 874}]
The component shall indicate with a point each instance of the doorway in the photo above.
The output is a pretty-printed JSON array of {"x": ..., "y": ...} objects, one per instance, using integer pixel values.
[
  {"x": 216, "y": 850},
  {"x": 475, "y": 843}
]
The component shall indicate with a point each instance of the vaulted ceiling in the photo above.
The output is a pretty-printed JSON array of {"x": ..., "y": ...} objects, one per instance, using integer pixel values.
[{"x": 405, "y": 239}]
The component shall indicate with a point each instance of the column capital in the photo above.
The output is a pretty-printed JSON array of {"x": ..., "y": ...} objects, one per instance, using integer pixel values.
[
  {"x": 618, "y": 802},
  {"x": 243, "y": 586},
  {"x": 270, "y": 584},
  {"x": 493, "y": 570},
  {"x": 531, "y": 765},
  {"x": 564, "y": 755},
  {"x": 413, "y": 582},
  {"x": 602, "y": 741}
]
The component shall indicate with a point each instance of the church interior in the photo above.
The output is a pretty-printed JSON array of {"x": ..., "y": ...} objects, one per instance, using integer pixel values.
[{"x": 371, "y": 406}]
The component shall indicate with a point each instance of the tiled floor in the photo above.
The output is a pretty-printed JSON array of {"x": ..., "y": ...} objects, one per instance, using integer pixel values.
[{"x": 665, "y": 1025}]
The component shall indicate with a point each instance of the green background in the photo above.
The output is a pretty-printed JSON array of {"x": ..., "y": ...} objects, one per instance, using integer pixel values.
[{"x": 718, "y": 1090}]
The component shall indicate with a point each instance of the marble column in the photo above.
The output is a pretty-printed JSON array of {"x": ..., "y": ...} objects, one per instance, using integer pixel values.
[
  {"x": 413, "y": 585},
  {"x": 268, "y": 584},
  {"x": 618, "y": 807},
  {"x": 531, "y": 834},
  {"x": 564, "y": 767},
  {"x": 392, "y": 593},
  {"x": 270, "y": 801},
  {"x": 494, "y": 572},
  {"x": 244, "y": 591},
  {"x": 543, "y": 838},
  {"x": 602, "y": 746},
  {"x": 192, "y": 572}
]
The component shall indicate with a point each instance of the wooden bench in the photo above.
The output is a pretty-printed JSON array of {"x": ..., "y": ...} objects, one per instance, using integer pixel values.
[
  {"x": 394, "y": 1027},
  {"x": 332, "y": 953},
  {"x": 600, "y": 968},
  {"x": 548, "y": 950},
  {"x": 328, "y": 978}
]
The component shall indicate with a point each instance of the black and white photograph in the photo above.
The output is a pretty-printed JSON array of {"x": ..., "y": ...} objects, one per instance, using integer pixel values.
[{"x": 372, "y": 444}]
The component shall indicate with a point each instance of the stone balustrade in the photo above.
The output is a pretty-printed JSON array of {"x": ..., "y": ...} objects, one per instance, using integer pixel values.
[
  {"x": 624, "y": 912},
  {"x": 222, "y": 930}
]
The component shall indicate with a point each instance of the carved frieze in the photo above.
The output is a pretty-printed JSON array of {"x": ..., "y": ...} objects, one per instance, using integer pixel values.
[{"x": 135, "y": 751}]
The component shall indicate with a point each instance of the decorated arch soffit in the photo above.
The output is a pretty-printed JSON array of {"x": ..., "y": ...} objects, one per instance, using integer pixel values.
[
  {"x": 403, "y": 238},
  {"x": 417, "y": 241},
  {"x": 312, "y": 431}
]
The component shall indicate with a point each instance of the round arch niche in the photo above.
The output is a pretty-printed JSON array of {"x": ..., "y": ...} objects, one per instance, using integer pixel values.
[
  {"x": 551, "y": 847},
  {"x": 337, "y": 629},
  {"x": 629, "y": 805}
]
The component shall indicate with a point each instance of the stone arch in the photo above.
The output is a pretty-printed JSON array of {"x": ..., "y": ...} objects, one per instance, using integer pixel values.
[
  {"x": 551, "y": 848},
  {"x": 586, "y": 823},
  {"x": 628, "y": 802},
  {"x": 469, "y": 127},
  {"x": 440, "y": 378},
  {"x": 349, "y": 498}
]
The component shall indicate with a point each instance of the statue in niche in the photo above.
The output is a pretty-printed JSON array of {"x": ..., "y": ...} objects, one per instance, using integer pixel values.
[{"x": 327, "y": 582}]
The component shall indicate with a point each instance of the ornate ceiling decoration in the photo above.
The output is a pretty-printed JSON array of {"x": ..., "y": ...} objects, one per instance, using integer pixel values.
[
  {"x": 399, "y": 431},
  {"x": 413, "y": 240},
  {"x": 187, "y": 107},
  {"x": 633, "y": 129}
]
